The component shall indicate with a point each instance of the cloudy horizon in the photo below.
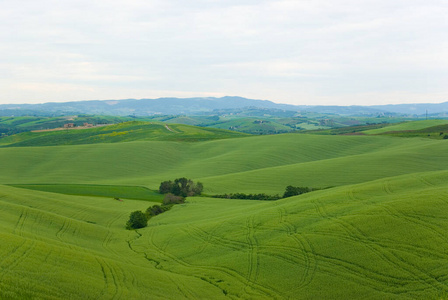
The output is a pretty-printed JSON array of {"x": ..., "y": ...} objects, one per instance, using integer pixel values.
[{"x": 343, "y": 52}]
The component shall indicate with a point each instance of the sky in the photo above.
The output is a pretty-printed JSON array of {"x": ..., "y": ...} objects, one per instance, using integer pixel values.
[{"x": 316, "y": 52}]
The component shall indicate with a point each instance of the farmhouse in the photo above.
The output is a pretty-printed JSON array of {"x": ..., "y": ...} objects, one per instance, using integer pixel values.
[{"x": 69, "y": 125}]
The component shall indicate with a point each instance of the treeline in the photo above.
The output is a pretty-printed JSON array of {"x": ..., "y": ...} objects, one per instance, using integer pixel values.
[
  {"x": 139, "y": 219},
  {"x": 289, "y": 192},
  {"x": 296, "y": 190},
  {"x": 248, "y": 196}
]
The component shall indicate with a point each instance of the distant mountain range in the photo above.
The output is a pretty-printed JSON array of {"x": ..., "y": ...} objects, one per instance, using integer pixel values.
[{"x": 193, "y": 106}]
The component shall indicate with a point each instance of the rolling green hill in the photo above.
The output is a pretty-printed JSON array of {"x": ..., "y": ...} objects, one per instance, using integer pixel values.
[
  {"x": 123, "y": 132},
  {"x": 380, "y": 232},
  {"x": 253, "y": 164},
  {"x": 406, "y": 126},
  {"x": 375, "y": 240}
]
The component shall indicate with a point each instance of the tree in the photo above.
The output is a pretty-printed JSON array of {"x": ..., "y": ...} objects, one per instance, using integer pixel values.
[
  {"x": 137, "y": 220},
  {"x": 165, "y": 187},
  {"x": 197, "y": 188},
  {"x": 183, "y": 187},
  {"x": 295, "y": 190}
]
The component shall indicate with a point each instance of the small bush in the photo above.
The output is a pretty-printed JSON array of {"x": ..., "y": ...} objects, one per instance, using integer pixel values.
[
  {"x": 137, "y": 220},
  {"x": 173, "y": 199}
]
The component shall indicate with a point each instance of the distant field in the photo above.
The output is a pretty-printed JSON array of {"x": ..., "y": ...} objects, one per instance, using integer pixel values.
[
  {"x": 123, "y": 132},
  {"x": 414, "y": 125},
  {"x": 127, "y": 192}
]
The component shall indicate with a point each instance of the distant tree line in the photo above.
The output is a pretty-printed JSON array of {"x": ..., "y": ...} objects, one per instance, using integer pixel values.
[
  {"x": 248, "y": 196},
  {"x": 289, "y": 192}
]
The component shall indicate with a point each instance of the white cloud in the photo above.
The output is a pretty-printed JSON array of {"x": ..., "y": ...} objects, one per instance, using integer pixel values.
[{"x": 329, "y": 51}]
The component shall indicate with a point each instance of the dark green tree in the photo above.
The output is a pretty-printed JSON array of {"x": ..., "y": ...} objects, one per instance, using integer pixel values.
[
  {"x": 165, "y": 187},
  {"x": 197, "y": 188},
  {"x": 295, "y": 190},
  {"x": 137, "y": 220},
  {"x": 154, "y": 210}
]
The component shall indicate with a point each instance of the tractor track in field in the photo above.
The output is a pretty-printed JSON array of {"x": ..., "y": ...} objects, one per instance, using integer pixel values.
[
  {"x": 109, "y": 235},
  {"x": 287, "y": 254},
  {"x": 17, "y": 256},
  {"x": 113, "y": 284},
  {"x": 387, "y": 243},
  {"x": 424, "y": 180},
  {"x": 18, "y": 228},
  {"x": 356, "y": 235},
  {"x": 183, "y": 289},
  {"x": 105, "y": 277},
  {"x": 386, "y": 187},
  {"x": 418, "y": 274},
  {"x": 305, "y": 248},
  {"x": 63, "y": 229},
  {"x": 269, "y": 292},
  {"x": 397, "y": 214},
  {"x": 252, "y": 255},
  {"x": 209, "y": 237},
  {"x": 204, "y": 236}
]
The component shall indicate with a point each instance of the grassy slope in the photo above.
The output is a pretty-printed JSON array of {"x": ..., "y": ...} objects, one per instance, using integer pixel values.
[
  {"x": 375, "y": 240},
  {"x": 414, "y": 125},
  {"x": 256, "y": 164},
  {"x": 69, "y": 247},
  {"x": 124, "y": 132},
  {"x": 112, "y": 191}
]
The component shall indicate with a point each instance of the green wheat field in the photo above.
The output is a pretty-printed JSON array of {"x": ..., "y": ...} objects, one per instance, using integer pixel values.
[{"x": 376, "y": 229}]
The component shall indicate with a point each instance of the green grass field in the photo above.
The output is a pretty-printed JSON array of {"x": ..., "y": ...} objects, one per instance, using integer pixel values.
[
  {"x": 123, "y": 132},
  {"x": 379, "y": 232},
  {"x": 375, "y": 240},
  {"x": 113, "y": 191},
  {"x": 414, "y": 125}
]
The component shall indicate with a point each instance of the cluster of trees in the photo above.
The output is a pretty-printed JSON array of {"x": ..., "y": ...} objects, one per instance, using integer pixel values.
[
  {"x": 249, "y": 196},
  {"x": 139, "y": 219},
  {"x": 182, "y": 187},
  {"x": 175, "y": 193}
]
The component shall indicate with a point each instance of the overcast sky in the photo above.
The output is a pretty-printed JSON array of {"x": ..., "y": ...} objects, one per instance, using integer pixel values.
[{"x": 338, "y": 52}]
